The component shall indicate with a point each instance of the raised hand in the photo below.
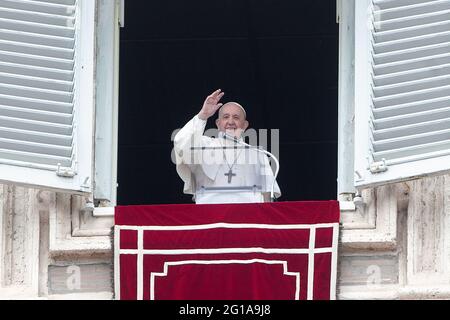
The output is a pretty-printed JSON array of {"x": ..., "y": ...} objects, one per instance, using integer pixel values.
[{"x": 211, "y": 105}]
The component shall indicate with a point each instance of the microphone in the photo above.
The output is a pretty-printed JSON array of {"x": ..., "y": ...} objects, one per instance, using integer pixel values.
[{"x": 236, "y": 140}]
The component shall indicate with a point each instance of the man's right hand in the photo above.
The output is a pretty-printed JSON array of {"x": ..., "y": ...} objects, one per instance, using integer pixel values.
[{"x": 211, "y": 105}]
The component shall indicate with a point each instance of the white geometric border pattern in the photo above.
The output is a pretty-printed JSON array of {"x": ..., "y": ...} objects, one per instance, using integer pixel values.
[{"x": 250, "y": 261}]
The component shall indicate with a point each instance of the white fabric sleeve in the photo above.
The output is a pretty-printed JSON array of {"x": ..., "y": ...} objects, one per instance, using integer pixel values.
[{"x": 191, "y": 135}]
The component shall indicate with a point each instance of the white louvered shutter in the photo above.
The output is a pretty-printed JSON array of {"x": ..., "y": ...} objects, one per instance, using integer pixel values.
[
  {"x": 402, "y": 91},
  {"x": 46, "y": 93}
]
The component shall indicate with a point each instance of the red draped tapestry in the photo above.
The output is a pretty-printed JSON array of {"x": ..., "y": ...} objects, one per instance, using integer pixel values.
[{"x": 263, "y": 251}]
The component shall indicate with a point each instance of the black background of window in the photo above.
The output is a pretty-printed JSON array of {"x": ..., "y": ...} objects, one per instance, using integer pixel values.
[{"x": 279, "y": 59}]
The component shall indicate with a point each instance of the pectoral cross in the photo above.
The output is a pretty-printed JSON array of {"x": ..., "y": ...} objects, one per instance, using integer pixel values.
[{"x": 230, "y": 174}]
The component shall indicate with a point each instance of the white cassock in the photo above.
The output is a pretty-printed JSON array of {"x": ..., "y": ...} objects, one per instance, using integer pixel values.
[{"x": 219, "y": 170}]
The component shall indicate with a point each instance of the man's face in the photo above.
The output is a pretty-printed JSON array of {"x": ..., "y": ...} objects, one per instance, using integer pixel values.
[{"x": 232, "y": 120}]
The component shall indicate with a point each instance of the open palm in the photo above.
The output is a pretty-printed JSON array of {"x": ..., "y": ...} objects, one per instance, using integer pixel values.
[{"x": 211, "y": 104}]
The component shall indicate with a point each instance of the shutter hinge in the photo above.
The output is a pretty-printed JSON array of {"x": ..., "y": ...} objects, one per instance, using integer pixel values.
[
  {"x": 85, "y": 185},
  {"x": 379, "y": 166},
  {"x": 65, "y": 172}
]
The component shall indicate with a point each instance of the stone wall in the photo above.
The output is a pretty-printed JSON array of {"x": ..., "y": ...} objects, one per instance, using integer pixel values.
[
  {"x": 51, "y": 247},
  {"x": 394, "y": 246}
]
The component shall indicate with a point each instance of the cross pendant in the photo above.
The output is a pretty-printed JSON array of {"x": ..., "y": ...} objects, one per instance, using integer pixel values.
[{"x": 230, "y": 174}]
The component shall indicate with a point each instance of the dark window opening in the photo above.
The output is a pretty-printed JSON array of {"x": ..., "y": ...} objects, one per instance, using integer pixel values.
[{"x": 279, "y": 59}]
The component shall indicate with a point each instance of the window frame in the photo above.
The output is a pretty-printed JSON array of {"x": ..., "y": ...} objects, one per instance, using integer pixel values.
[
  {"x": 346, "y": 104},
  {"x": 107, "y": 104}
]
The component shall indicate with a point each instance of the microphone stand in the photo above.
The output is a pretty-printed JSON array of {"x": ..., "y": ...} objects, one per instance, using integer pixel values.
[{"x": 272, "y": 196}]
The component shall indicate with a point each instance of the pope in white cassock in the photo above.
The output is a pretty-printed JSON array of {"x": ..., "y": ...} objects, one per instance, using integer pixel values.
[{"x": 222, "y": 169}]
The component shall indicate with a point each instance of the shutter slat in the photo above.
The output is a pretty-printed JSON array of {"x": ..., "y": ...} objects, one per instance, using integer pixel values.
[
  {"x": 39, "y": 126},
  {"x": 45, "y": 105},
  {"x": 37, "y": 50},
  {"x": 38, "y": 39},
  {"x": 38, "y": 28},
  {"x": 409, "y": 97},
  {"x": 33, "y": 147},
  {"x": 36, "y": 61},
  {"x": 64, "y": 2},
  {"x": 412, "y": 32},
  {"x": 28, "y": 158},
  {"x": 413, "y": 140},
  {"x": 411, "y": 21},
  {"x": 422, "y": 58},
  {"x": 412, "y": 9},
  {"x": 414, "y": 42},
  {"x": 409, "y": 65},
  {"x": 38, "y": 72},
  {"x": 407, "y": 119},
  {"x": 389, "y": 4},
  {"x": 412, "y": 54},
  {"x": 417, "y": 151},
  {"x": 38, "y": 137},
  {"x": 37, "y": 17},
  {"x": 417, "y": 106},
  {"x": 407, "y": 130},
  {"x": 36, "y": 93},
  {"x": 27, "y": 81},
  {"x": 432, "y": 81},
  {"x": 411, "y": 75},
  {"x": 39, "y": 6},
  {"x": 38, "y": 115}
]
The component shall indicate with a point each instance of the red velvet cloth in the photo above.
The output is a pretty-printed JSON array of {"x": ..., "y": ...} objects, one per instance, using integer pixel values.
[{"x": 227, "y": 251}]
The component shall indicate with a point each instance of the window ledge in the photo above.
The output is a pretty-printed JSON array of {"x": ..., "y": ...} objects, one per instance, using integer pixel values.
[
  {"x": 103, "y": 212},
  {"x": 373, "y": 225},
  {"x": 347, "y": 206},
  {"x": 81, "y": 245},
  {"x": 391, "y": 292}
]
